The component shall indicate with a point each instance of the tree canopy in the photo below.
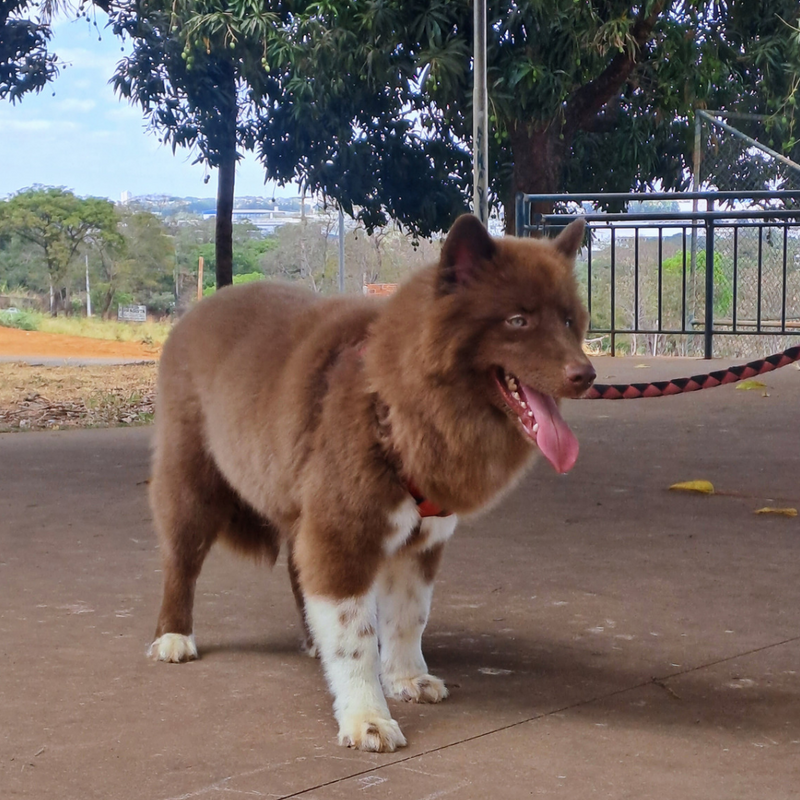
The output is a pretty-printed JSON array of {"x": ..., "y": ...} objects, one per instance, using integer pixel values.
[
  {"x": 589, "y": 96},
  {"x": 26, "y": 64},
  {"x": 59, "y": 223}
]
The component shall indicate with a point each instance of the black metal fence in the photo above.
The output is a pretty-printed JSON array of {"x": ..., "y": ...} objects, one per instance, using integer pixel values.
[{"x": 645, "y": 278}]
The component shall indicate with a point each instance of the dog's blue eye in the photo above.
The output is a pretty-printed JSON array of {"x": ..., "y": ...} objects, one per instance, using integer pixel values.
[{"x": 517, "y": 321}]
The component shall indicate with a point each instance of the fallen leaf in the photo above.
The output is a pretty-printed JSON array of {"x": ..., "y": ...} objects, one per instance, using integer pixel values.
[
  {"x": 750, "y": 385},
  {"x": 642, "y": 366},
  {"x": 702, "y": 487},
  {"x": 782, "y": 512}
]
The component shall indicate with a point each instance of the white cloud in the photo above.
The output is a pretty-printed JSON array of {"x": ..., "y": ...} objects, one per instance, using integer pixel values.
[
  {"x": 80, "y": 58},
  {"x": 70, "y": 104},
  {"x": 125, "y": 112},
  {"x": 98, "y": 135},
  {"x": 26, "y": 125}
]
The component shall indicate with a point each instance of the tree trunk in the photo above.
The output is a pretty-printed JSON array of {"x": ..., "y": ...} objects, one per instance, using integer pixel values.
[
  {"x": 224, "y": 223},
  {"x": 538, "y": 163},
  {"x": 225, "y": 187},
  {"x": 539, "y": 154},
  {"x": 107, "y": 300}
]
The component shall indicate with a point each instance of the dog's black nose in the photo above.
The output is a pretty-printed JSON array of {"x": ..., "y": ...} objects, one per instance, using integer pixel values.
[{"x": 580, "y": 376}]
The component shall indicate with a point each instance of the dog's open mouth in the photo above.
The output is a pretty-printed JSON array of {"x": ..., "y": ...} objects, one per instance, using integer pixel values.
[{"x": 541, "y": 421}]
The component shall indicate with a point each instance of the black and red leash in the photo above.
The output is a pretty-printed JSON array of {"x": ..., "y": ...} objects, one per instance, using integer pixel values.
[{"x": 633, "y": 391}]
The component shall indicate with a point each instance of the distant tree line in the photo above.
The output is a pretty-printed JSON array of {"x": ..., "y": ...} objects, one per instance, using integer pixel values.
[{"x": 49, "y": 237}]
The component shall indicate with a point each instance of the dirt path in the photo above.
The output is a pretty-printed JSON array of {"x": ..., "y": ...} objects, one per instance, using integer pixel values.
[
  {"x": 14, "y": 342},
  {"x": 42, "y": 397}
]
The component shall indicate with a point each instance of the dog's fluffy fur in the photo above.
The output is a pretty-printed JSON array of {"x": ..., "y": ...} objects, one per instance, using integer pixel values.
[{"x": 288, "y": 419}]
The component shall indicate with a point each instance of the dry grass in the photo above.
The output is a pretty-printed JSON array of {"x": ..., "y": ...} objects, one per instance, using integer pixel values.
[
  {"x": 145, "y": 332},
  {"x": 39, "y": 398}
]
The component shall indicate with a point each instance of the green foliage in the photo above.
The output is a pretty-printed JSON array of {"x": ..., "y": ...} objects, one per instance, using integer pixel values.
[
  {"x": 22, "y": 264},
  {"x": 723, "y": 281},
  {"x": 25, "y": 63},
  {"x": 137, "y": 268},
  {"x": 249, "y": 246},
  {"x": 59, "y": 223},
  {"x": 246, "y": 277},
  {"x": 370, "y": 103},
  {"x": 129, "y": 251},
  {"x": 23, "y": 320}
]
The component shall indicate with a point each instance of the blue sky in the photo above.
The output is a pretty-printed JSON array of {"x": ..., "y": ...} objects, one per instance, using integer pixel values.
[{"x": 76, "y": 133}]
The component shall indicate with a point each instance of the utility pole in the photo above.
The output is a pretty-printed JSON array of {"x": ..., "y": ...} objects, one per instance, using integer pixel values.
[
  {"x": 697, "y": 159},
  {"x": 88, "y": 296},
  {"x": 341, "y": 250},
  {"x": 480, "y": 117}
]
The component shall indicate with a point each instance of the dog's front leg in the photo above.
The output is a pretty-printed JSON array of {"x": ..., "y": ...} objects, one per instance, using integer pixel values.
[
  {"x": 405, "y": 589},
  {"x": 345, "y": 632}
]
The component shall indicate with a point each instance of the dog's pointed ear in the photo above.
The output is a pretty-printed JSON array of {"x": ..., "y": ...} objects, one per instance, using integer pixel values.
[
  {"x": 465, "y": 251},
  {"x": 569, "y": 241}
]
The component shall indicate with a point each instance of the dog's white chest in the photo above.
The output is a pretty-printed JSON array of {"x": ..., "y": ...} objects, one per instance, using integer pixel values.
[{"x": 406, "y": 524}]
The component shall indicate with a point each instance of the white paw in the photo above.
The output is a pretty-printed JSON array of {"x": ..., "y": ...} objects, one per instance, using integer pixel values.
[
  {"x": 372, "y": 733},
  {"x": 421, "y": 689},
  {"x": 173, "y": 647},
  {"x": 309, "y": 647}
]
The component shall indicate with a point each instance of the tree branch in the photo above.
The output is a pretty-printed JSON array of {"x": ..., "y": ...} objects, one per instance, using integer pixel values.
[{"x": 589, "y": 99}]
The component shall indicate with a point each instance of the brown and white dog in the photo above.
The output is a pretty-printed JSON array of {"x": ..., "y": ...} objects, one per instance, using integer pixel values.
[{"x": 287, "y": 419}]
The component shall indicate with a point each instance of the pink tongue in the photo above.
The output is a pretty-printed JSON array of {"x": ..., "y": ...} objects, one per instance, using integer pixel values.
[{"x": 554, "y": 438}]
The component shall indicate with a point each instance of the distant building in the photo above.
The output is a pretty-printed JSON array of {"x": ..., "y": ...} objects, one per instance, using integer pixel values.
[{"x": 267, "y": 220}]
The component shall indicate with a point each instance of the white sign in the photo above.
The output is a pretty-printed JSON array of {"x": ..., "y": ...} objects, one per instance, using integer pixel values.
[{"x": 132, "y": 313}]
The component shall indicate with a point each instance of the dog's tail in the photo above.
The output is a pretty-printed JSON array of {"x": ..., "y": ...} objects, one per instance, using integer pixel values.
[{"x": 247, "y": 532}]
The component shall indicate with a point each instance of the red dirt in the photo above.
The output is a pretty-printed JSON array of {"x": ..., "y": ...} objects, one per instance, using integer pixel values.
[{"x": 14, "y": 342}]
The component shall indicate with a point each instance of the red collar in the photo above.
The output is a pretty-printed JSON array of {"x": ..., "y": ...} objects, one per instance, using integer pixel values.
[{"x": 426, "y": 507}]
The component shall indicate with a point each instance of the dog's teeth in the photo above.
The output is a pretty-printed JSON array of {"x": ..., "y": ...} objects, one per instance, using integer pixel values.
[
  {"x": 515, "y": 395},
  {"x": 535, "y": 427}
]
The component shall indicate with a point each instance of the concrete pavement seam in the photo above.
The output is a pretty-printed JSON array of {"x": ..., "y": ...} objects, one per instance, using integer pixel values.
[{"x": 654, "y": 681}]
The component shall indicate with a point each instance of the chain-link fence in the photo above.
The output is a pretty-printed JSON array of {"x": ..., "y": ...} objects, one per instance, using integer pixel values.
[
  {"x": 756, "y": 265},
  {"x": 734, "y": 152}
]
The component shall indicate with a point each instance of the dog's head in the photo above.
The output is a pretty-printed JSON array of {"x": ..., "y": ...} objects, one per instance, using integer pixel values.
[{"x": 520, "y": 324}]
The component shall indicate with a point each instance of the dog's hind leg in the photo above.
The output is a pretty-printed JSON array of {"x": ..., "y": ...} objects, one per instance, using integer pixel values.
[
  {"x": 307, "y": 644},
  {"x": 405, "y": 589},
  {"x": 190, "y": 505}
]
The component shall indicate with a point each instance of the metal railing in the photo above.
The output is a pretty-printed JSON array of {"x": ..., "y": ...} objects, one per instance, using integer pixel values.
[{"x": 643, "y": 272}]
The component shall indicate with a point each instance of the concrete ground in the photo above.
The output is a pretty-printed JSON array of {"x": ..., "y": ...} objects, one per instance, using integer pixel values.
[
  {"x": 48, "y": 361},
  {"x": 601, "y": 635}
]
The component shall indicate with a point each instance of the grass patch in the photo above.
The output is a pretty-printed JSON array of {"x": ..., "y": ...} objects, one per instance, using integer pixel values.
[
  {"x": 150, "y": 333},
  {"x": 22, "y": 320}
]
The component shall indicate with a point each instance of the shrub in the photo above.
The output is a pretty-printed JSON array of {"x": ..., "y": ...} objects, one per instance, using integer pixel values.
[
  {"x": 246, "y": 277},
  {"x": 23, "y": 320}
]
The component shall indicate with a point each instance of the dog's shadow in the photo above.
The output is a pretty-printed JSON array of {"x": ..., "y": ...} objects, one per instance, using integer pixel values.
[
  {"x": 533, "y": 678},
  {"x": 286, "y": 646},
  {"x": 538, "y": 678}
]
